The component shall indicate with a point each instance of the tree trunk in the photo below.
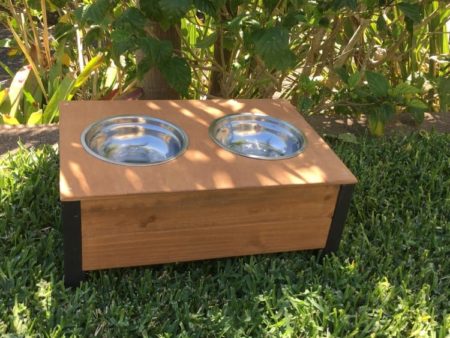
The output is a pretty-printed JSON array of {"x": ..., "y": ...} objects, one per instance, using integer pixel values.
[
  {"x": 222, "y": 56},
  {"x": 154, "y": 84}
]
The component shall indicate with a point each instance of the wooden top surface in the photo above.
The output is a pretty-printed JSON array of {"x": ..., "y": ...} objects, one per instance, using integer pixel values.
[{"x": 204, "y": 166}]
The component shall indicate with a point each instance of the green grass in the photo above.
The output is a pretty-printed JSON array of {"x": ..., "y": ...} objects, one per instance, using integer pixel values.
[{"x": 391, "y": 276}]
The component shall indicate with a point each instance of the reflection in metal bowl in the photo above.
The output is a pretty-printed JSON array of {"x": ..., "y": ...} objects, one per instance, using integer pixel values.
[
  {"x": 257, "y": 136},
  {"x": 134, "y": 140}
]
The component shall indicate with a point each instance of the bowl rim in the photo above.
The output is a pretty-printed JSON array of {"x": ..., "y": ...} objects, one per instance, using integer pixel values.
[
  {"x": 184, "y": 140},
  {"x": 286, "y": 124}
]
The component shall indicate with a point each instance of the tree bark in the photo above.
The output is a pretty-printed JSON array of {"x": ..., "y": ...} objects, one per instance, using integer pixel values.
[
  {"x": 154, "y": 84},
  {"x": 222, "y": 56}
]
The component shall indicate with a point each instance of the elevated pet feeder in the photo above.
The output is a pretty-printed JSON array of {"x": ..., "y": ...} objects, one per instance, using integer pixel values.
[{"x": 150, "y": 182}]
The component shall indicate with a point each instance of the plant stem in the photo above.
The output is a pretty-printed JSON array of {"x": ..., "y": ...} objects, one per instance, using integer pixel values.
[{"x": 45, "y": 33}]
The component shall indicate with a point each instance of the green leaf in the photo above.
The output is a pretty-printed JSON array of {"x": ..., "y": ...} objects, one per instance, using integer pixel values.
[
  {"x": 208, "y": 6},
  {"x": 293, "y": 19},
  {"x": 3, "y": 95},
  {"x": 354, "y": 79},
  {"x": 378, "y": 118},
  {"x": 378, "y": 84},
  {"x": 419, "y": 104},
  {"x": 33, "y": 97},
  {"x": 272, "y": 44},
  {"x": 63, "y": 92},
  {"x": 16, "y": 89},
  {"x": 174, "y": 10},
  {"x": 98, "y": 11},
  {"x": 131, "y": 18},
  {"x": 233, "y": 6},
  {"x": 92, "y": 36},
  {"x": 111, "y": 75},
  {"x": 269, "y": 5},
  {"x": 338, "y": 4},
  {"x": 207, "y": 41},
  {"x": 376, "y": 125},
  {"x": 403, "y": 89},
  {"x": 235, "y": 24},
  {"x": 177, "y": 73},
  {"x": 304, "y": 104},
  {"x": 92, "y": 65},
  {"x": 386, "y": 111},
  {"x": 58, "y": 3},
  {"x": 381, "y": 24},
  {"x": 343, "y": 74},
  {"x": 55, "y": 75},
  {"x": 151, "y": 9},
  {"x": 6, "y": 69},
  {"x": 155, "y": 51},
  {"x": 229, "y": 40},
  {"x": 10, "y": 120},
  {"x": 29, "y": 97},
  {"x": 307, "y": 85},
  {"x": 417, "y": 108},
  {"x": 121, "y": 42},
  {"x": 411, "y": 11},
  {"x": 35, "y": 118}
]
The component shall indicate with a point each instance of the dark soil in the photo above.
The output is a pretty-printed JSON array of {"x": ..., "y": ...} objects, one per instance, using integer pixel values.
[
  {"x": 10, "y": 137},
  {"x": 402, "y": 123},
  {"x": 324, "y": 124}
]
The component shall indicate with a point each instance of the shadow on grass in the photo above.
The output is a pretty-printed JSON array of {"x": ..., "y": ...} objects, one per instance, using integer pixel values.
[{"x": 390, "y": 276}]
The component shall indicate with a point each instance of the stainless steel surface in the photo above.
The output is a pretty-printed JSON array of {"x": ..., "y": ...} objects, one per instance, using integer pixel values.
[
  {"x": 257, "y": 136},
  {"x": 134, "y": 140}
]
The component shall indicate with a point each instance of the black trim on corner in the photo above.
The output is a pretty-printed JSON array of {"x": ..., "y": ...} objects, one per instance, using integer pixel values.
[
  {"x": 339, "y": 217},
  {"x": 71, "y": 223}
]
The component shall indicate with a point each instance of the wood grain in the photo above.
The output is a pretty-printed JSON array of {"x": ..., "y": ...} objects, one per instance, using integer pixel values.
[
  {"x": 204, "y": 166},
  {"x": 168, "y": 227}
]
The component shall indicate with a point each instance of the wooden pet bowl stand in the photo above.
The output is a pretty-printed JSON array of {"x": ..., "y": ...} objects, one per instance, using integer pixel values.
[{"x": 207, "y": 203}]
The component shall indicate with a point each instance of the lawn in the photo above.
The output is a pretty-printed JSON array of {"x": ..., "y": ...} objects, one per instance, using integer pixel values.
[{"x": 390, "y": 277}]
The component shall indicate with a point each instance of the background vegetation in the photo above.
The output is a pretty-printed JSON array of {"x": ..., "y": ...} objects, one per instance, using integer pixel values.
[
  {"x": 390, "y": 277},
  {"x": 377, "y": 57}
]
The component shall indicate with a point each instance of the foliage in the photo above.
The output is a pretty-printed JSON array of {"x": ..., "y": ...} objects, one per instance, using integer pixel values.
[
  {"x": 306, "y": 52},
  {"x": 378, "y": 99},
  {"x": 58, "y": 66},
  {"x": 389, "y": 277},
  {"x": 302, "y": 50}
]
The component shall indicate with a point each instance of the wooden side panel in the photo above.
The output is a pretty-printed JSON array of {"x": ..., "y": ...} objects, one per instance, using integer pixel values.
[{"x": 171, "y": 227}]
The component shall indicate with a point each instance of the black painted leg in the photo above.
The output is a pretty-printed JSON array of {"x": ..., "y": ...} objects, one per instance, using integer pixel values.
[
  {"x": 71, "y": 219},
  {"x": 339, "y": 217}
]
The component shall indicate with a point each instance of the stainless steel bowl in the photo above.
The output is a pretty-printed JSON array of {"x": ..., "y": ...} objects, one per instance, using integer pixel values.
[
  {"x": 257, "y": 136},
  {"x": 134, "y": 140}
]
